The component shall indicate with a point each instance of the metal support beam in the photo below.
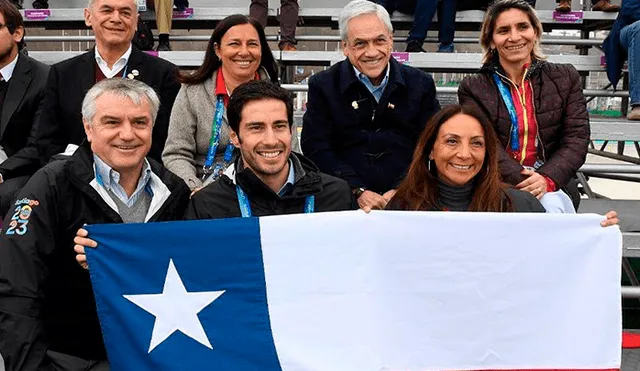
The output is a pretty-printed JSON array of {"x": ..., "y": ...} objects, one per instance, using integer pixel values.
[
  {"x": 614, "y": 156},
  {"x": 630, "y": 292},
  {"x": 610, "y": 168},
  {"x": 327, "y": 38}
]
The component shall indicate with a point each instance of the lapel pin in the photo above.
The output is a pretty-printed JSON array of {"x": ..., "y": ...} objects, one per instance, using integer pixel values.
[
  {"x": 354, "y": 104},
  {"x": 391, "y": 106},
  {"x": 135, "y": 72}
]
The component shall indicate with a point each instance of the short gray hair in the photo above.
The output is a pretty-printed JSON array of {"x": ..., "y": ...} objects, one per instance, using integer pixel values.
[
  {"x": 357, "y": 8},
  {"x": 136, "y": 90},
  {"x": 91, "y": 2}
]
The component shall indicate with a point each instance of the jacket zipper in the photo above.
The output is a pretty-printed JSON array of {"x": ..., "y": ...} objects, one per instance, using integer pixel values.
[{"x": 525, "y": 118}]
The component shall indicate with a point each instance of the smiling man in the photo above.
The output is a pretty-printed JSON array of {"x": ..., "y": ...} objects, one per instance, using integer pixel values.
[
  {"x": 267, "y": 178},
  {"x": 365, "y": 113},
  {"x": 114, "y": 23},
  {"x": 48, "y": 318}
]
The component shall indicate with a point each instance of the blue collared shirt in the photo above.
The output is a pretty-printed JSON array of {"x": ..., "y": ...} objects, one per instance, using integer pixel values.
[
  {"x": 290, "y": 180},
  {"x": 109, "y": 179},
  {"x": 375, "y": 90}
]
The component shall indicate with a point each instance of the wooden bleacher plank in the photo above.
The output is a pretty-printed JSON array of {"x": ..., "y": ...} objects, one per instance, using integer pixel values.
[
  {"x": 631, "y": 245},
  {"x": 202, "y": 14},
  {"x": 615, "y": 130},
  {"x": 458, "y": 62},
  {"x": 315, "y": 16}
]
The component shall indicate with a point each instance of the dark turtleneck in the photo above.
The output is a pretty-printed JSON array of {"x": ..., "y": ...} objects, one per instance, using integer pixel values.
[{"x": 454, "y": 198}]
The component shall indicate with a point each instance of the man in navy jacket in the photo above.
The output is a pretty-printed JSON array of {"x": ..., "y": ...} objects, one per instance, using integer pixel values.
[
  {"x": 623, "y": 43},
  {"x": 365, "y": 113}
]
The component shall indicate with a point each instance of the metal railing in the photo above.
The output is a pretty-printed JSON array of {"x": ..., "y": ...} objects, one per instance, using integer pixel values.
[
  {"x": 454, "y": 90},
  {"x": 321, "y": 38}
]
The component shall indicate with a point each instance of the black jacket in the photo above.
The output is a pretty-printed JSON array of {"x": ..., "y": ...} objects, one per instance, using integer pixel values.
[
  {"x": 351, "y": 136},
  {"x": 20, "y": 111},
  {"x": 70, "y": 80},
  {"x": 561, "y": 113},
  {"x": 219, "y": 199},
  {"x": 46, "y": 299},
  {"x": 522, "y": 202}
]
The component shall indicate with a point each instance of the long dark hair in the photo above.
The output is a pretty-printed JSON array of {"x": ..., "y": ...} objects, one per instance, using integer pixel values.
[
  {"x": 419, "y": 189},
  {"x": 212, "y": 63}
]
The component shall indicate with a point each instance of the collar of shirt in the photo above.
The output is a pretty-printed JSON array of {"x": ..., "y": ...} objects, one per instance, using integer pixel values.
[
  {"x": 117, "y": 67},
  {"x": 7, "y": 71},
  {"x": 290, "y": 180},
  {"x": 221, "y": 87},
  {"x": 375, "y": 90},
  {"x": 109, "y": 178}
]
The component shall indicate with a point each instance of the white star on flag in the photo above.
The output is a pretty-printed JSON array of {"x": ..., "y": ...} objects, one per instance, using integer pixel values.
[{"x": 175, "y": 309}]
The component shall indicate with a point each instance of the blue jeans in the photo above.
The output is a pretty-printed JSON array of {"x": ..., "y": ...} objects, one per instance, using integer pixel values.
[
  {"x": 630, "y": 40},
  {"x": 423, "y": 12}
]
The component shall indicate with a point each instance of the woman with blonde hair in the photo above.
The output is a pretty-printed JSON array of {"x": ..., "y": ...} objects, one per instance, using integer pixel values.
[{"x": 536, "y": 107}]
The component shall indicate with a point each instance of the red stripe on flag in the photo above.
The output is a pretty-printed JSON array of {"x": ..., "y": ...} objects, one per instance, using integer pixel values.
[
  {"x": 554, "y": 369},
  {"x": 630, "y": 340}
]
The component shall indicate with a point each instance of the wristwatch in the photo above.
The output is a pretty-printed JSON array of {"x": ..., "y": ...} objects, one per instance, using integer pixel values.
[{"x": 358, "y": 192}]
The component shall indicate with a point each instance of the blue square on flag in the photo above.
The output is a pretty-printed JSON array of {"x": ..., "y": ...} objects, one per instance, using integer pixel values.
[{"x": 182, "y": 302}]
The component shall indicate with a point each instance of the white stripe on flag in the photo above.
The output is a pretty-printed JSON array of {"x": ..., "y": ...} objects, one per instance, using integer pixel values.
[{"x": 443, "y": 291}]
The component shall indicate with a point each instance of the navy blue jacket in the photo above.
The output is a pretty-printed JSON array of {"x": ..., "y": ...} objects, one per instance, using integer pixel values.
[
  {"x": 614, "y": 52},
  {"x": 351, "y": 136}
]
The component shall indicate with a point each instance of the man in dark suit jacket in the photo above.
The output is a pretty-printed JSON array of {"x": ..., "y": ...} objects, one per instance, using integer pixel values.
[
  {"x": 365, "y": 114},
  {"x": 114, "y": 23},
  {"x": 21, "y": 95}
]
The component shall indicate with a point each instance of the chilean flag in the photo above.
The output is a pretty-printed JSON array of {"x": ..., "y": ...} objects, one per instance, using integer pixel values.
[{"x": 351, "y": 291}]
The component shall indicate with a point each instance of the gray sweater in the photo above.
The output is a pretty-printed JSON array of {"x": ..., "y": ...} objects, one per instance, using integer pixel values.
[{"x": 190, "y": 130}]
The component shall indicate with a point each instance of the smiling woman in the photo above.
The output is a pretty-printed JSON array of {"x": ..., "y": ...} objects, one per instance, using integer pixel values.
[
  {"x": 198, "y": 148},
  {"x": 536, "y": 107},
  {"x": 455, "y": 168}
]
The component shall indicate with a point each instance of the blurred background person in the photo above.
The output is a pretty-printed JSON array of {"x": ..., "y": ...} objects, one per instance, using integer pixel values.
[
  {"x": 288, "y": 19},
  {"x": 564, "y": 6},
  {"x": 22, "y": 88},
  {"x": 623, "y": 43}
]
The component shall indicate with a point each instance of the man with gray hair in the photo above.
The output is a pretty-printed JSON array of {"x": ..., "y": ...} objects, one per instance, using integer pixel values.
[
  {"x": 114, "y": 23},
  {"x": 48, "y": 318},
  {"x": 365, "y": 114}
]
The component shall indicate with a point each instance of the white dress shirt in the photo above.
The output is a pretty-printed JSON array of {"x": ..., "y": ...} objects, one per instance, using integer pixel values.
[{"x": 117, "y": 67}]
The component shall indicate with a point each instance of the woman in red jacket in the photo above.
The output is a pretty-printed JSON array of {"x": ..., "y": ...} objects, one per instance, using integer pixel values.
[{"x": 536, "y": 107}]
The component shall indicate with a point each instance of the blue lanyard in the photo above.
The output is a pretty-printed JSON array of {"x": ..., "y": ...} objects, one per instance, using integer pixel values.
[
  {"x": 506, "y": 97},
  {"x": 214, "y": 141},
  {"x": 245, "y": 206}
]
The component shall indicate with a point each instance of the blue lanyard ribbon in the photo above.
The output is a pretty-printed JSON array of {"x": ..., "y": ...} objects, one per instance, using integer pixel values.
[
  {"x": 508, "y": 101},
  {"x": 214, "y": 142},
  {"x": 245, "y": 206}
]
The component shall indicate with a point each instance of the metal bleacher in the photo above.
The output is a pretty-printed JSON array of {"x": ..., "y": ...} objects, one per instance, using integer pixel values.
[
  {"x": 320, "y": 25},
  {"x": 324, "y": 15}
]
